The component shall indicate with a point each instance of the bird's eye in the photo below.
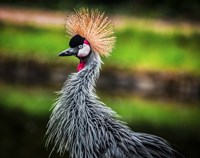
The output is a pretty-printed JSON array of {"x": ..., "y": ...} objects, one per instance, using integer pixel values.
[{"x": 80, "y": 46}]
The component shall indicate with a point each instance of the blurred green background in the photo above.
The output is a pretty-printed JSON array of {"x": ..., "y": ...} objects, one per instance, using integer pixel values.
[{"x": 152, "y": 78}]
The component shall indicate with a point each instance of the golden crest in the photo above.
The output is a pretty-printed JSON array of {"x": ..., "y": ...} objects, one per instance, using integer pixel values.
[{"x": 95, "y": 27}]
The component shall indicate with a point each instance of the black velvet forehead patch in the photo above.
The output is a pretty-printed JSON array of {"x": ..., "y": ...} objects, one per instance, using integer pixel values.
[{"x": 76, "y": 41}]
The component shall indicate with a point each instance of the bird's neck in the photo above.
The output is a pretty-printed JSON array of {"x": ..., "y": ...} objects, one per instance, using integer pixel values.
[
  {"x": 89, "y": 69},
  {"x": 81, "y": 85},
  {"x": 78, "y": 112}
]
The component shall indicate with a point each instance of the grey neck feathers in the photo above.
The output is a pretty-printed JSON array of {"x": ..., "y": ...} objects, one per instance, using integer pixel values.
[
  {"x": 85, "y": 127},
  {"x": 77, "y": 114}
]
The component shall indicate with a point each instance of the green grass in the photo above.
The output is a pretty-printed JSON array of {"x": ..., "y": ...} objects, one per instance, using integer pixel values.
[
  {"x": 31, "y": 42},
  {"x": 32, "y": 101},
  {"x": 153, "y": 51},
  {"x": 135, "y": 49},
  {"x": 38, "y": 102},
  {"x": 156, "y": 113}
]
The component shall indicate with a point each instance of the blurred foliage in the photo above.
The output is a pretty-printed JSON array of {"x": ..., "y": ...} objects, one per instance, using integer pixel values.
[
  {"x": 36, "y": 101},
  {"x": 31, "y": 41},
  {"x": 170, "y": 51},
  {"x": 156, "y": 8}
]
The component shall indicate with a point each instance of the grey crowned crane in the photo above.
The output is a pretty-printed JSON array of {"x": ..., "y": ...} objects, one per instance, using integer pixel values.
[{"x": 80, "y": 123}]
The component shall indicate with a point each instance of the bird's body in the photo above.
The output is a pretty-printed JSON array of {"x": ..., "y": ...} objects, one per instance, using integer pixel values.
[
  {"x": 87, "y": 128},
  {"x": 81, "y": 124}
]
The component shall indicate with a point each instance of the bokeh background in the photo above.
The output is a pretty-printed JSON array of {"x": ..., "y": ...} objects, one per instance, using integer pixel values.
[{"x": 152, "y": 78}]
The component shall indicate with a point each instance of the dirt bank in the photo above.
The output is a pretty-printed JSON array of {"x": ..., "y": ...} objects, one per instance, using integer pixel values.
[{"x": 157, "y": 85}]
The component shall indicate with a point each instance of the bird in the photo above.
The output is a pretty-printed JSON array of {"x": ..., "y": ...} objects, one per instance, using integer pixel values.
[{"x": 80, "y": 123}]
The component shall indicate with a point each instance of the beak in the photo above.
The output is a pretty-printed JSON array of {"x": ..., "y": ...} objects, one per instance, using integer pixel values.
[{"x": 69, "y": 52}]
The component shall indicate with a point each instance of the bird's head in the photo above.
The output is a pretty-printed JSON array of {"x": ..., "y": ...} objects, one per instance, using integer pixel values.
[
  {"x": 80, "y": 48},
  {"x": 90, "y": 31}
]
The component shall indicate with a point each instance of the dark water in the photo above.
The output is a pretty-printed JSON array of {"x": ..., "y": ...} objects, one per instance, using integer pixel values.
[{"x": 22, "y": 136}]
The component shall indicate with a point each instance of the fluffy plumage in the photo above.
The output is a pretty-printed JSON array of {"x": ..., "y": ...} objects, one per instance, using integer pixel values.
[
  {"x": 80, "y": 123},
  {"x": 95, "y": 27},
  {"x": 87, "y": 128}
]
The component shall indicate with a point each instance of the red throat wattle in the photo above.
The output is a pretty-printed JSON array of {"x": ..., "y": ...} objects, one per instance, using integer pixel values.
[{"x": 80, "y": 66}]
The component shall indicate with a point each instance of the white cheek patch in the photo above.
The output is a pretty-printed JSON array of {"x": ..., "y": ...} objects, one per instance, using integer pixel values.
[{"x": 83, "y": 52}]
